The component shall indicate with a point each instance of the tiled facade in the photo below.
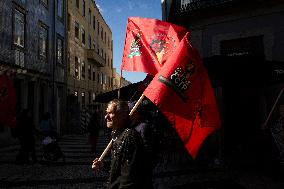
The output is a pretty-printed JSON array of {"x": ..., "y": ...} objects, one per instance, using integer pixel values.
[{"x": 32, "y": 48}]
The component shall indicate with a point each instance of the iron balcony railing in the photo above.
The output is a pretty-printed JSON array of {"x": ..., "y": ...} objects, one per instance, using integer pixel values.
[
  {"x": 191, "y": 5},
  {"x": 95, "y": 57}
]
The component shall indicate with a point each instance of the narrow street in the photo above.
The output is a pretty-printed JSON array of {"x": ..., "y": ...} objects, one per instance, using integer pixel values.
[
  {"x": 172, "y": 171},
  {"x": 76, "y": 172}
]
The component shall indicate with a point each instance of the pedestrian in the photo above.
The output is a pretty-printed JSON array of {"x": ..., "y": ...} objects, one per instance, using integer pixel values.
[
  {"x": 142, "y": 121},
  {"x": 25, "y": 132},
  {"x": 127, "y": 154},
  {"x": 46, "y": 125},
  {"x": 93, "y": 129}
]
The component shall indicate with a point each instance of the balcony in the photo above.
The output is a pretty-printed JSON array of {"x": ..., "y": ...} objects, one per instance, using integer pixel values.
[
  {"x": 192, "y": 5},
  {"x": 94, "y": 57}
]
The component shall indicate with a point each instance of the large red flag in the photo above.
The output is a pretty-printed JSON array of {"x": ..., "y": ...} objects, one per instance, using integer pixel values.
[
  {"x": 7, "y": 101},
  {"x": 183, "y": 93},
  {"x": 148, "y": 44}
]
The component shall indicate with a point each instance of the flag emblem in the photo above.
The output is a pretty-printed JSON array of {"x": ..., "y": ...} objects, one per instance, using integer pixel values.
[
  {"x": 179, "y": 80},
  {"x": 162, "y": 44},
  {"x": 135, "y": 46}
]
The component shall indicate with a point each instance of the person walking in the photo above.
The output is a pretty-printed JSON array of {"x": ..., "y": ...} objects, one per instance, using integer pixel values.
[
  {"x": 93, "y": 129},
  {"x": 25, "y": 132},
  {"x": 127, "y": 166}
]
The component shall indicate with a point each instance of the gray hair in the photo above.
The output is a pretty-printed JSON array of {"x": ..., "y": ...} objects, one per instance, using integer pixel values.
[{"x": 120, "y": 106}]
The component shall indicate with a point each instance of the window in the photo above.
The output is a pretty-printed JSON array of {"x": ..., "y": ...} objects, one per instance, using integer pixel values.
[
  {"x": 83, "y": 36},
  {"x": 83, "y": 99},
  {"x": 94, "y": 44},
  {"x": 76, "y": 67},
  {"x": 94, "y": 22},
  {"x": 89, "y": 97},
  {"x": 105, "y": 37},
  {"x": 90, "y": 16},
  {"x": 90, "y": 42},
  {"x": 84, "y": 8},
  {"x": 109, "y": 79},
  {"x": 43, "y": 34},
  {"x": 102, "y": 33},
  {"x": 19, "y": 29},
  {"x": 60, "y": 8},
  {"x": 77, "y": 30},
  {"x": 102, "y": 78},
  {"x": 98, "y": 28},
  {"x": 94, "y": 96},
  {"x": 252, "y": 46},
  {"x": 94, "y": 74},
  {"x": 83, "y": 70},
  {"x": 89, "y": 72},
  {"x": 59, "y": 54},
  {"x": 77, "y": 3},
  {"x": 105, "y": 79}
]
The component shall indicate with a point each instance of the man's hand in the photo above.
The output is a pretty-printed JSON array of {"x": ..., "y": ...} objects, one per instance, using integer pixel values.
[
  {"x": 97, "y": 164},
  {"x": 263, "y": 126}
]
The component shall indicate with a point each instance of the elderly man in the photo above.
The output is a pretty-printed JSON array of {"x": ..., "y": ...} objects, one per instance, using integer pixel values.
[{"x": 127, "y": 162}]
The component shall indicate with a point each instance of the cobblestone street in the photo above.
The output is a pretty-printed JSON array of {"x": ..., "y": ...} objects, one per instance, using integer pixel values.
[{"x": 77, "y": 173}]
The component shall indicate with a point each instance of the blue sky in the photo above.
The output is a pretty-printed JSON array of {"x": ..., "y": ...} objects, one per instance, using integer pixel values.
[{"x": 116, "y": 13}]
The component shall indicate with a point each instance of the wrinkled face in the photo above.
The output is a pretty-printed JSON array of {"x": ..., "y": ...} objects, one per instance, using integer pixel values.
[{"x": 113, "y": 118}]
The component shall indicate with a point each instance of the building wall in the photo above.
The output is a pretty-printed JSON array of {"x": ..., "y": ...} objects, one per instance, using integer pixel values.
[
  {"x": 39, "y": 83},
  {"x": 210, "y": 29},
  {"x": 243, "y": 105},
  {"x": 101, "y": 48}
]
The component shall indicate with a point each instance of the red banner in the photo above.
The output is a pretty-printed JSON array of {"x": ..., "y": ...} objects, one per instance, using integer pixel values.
[
  {"x": 7, "y": 102},
  {"x": 149, "y": 43},
  {"x": 183, "y": 93}
]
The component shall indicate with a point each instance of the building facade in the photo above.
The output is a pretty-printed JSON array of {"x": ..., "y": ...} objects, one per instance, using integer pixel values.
[
  {"x": 32, "y": 48},
  {"x": 242, "y": 44},
  {"x": 119, "y": 81},
  {"x": 90, "y": 52},
  {"x": 90, "y": 61}
]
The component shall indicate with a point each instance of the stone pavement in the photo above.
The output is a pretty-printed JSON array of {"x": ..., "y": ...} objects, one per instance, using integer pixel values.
[
  {"x": 172, "y": 171},
  {"x": 76, "y": 172}
]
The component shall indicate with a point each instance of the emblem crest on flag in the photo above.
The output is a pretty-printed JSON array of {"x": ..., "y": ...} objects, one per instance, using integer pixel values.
[
  {"x": 162, "y": 44},
  {"x": 135, "y": 46},
  {"x": 179, "y": 80}
]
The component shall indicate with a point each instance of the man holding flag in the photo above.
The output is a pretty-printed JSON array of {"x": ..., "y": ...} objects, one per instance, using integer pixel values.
[{"x": 180, "y": 88}]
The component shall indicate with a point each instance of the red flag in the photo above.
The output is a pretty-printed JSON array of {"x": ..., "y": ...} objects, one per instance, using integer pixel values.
[
  {"x": 183, "y": 93},
  {"x": 7, "y": 102},
  {"x": 148, "y": 44}
]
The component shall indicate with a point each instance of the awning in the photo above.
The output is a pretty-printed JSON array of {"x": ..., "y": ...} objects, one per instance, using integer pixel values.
[{"x": 125, "y": 93}]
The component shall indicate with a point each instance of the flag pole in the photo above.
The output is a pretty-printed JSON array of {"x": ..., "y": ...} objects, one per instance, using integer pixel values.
[
  {"x": 130, "y": 114},
  {"x": 120, "y": 81},
  {"x": 273, "y": 107}
]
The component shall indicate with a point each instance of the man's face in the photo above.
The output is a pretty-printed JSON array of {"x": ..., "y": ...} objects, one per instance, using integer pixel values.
[{"x": 112, "y": 117}]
